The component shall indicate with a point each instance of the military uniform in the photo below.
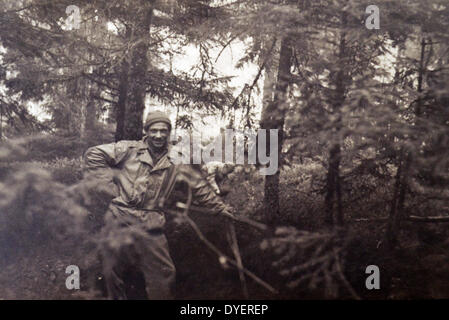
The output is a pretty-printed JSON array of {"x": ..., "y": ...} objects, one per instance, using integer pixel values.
[{"x": 135, "y": 184}]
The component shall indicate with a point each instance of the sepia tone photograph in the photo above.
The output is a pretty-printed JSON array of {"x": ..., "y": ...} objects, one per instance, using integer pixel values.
[{"x": 244, "y": 150}]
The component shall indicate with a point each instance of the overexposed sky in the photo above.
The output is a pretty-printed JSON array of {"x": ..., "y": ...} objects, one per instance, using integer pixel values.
[{"x": 225, "y": 66}]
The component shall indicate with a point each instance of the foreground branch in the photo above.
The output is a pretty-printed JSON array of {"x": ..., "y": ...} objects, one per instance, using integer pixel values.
[{"x": 234, "y": 263}]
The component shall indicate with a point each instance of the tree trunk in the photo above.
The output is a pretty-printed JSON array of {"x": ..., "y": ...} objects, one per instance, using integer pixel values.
[
  {"x": 88, "y": 90},
  {"x": 333, "y": 185},
  {"x": 269, "y": 81},
  {"x": 122, "y": 101},
  {"x": 273, "y": 118},
  {"x": 397, "y": 203},
  {"x": 132, "y": 87},
  {"x": 405, "y": 162},
  {"x": 1, "y": 122}
]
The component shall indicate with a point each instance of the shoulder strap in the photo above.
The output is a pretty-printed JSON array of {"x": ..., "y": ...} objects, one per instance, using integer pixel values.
[{"x": 167, "y": 185}]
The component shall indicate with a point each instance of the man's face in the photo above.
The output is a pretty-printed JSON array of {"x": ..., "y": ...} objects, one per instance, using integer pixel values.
[{"x": 158, "y": 135}]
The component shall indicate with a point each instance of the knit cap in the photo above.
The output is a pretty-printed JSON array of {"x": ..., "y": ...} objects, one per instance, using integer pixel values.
[{"x": 156, "y": 116}]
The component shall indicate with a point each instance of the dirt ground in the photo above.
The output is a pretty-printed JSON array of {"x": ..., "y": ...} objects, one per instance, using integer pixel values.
[{"x": 415, "y": 271}]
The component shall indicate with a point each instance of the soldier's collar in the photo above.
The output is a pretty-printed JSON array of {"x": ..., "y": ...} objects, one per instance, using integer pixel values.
[{"x": 143, "y": 144}]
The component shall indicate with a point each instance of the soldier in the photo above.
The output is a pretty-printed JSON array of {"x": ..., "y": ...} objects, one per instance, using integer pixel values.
[{"x": 139, "y": 169}]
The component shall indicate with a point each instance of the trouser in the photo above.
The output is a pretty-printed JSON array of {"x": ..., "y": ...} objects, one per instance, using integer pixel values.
[{"x": 142, "y": 250}]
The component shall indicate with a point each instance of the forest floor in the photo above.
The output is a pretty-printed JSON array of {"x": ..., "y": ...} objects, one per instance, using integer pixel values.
[{"x": 415, "y": 269}]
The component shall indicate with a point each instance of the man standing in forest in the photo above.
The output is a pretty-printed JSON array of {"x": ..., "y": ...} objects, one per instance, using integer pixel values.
[{"x": 139, "y": 171}]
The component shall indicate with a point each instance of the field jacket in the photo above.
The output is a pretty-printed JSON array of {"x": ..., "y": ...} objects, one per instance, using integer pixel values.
[{"x": 136, "y": 180}]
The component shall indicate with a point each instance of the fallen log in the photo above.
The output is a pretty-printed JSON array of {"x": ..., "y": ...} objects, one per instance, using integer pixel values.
[
  {"x": 429, "y": 219},
  {"x": 436, "y": 219}
]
